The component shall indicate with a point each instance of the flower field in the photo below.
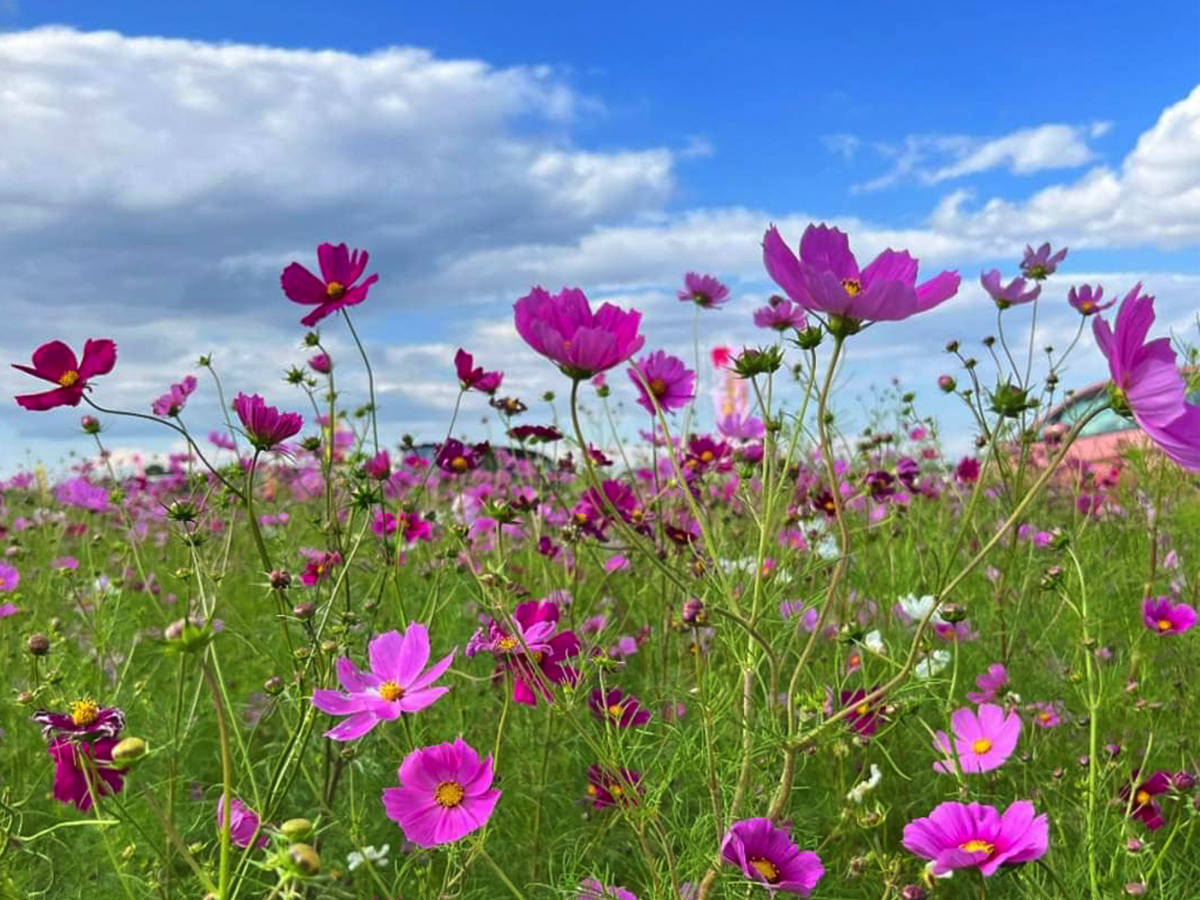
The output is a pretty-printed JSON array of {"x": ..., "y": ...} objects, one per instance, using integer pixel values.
[{"x": 672, "y": 652}]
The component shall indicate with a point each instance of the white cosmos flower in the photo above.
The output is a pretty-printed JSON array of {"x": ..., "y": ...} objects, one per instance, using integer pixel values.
[
  {"x": 932, "y": 664},
  {"x": 859, "y": 791},
  {"x": 368, "y": 854}
]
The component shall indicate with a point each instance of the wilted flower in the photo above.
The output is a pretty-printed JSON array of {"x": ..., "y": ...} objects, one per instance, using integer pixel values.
[{"x": 81, "y": 743}]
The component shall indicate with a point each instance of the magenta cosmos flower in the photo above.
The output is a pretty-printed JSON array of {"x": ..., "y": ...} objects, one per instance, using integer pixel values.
[
  {"x": 172, "y": 402},
  {"x": 1147, "y": 382},
  {"x": 243, "y": 822},
  {"x": 1164, "y": 617},
  {"x": 983, "y": 740},
  {"x": 1086, "y": 301},
  {"x": 615, "y": 706},
  {"x": 81, "y": 743},
  {"x": 55, "y": 362},
  {"x": 767, "y": 855},
  {"x": 265, "y": 426},
  {"x": 990, "y": 684},
  {"x": 703, "y": 290},
  {"x": 670, "y": 382},
  {"x": 970, "y": 835},
  {"x": 1010, "y": 294},
  {"x": 536, "y": 622},
  {"x": 564, "y": 329},
  {"x": 1139, "y": 798},
  {"x": 456, "y": 458},
  {"x": 336, "y": 287},
  {"x": 595, "y": 890},
  {"x": 1038, "y": 264},
  {"x": 474, "y": 377},
  {"x": 445, "y": 794},
  {"x": 396, "y": 683},
  {"x": 780, "y": 315},
  {"x": 607, "y": 788},
  {"x": 826, "y": 278}
]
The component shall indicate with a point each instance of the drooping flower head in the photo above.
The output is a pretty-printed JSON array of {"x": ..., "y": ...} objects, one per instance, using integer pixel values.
[
  {"x": 335, "y": 289},
  {"x": 243, "y": 822},
  {"x": 703, "y": 290},
  {"x": 172, "y": 402},
  {"x": 1012, "y": 294},
  {"x": 564, "y": 329},
  {"x": 265, "y": 426},
  {"x": 983, "y": 740},
  {"x": 670, "y": 382},
  {"x": 971, "y": 835},
  {"x": 1164, "y": 617},
  {"x": 1038, "y": 264},
  {"x": 826, "y": 278},
  {"x": 766, "y": 854},
  {"x": 474, "y": 377},
  {"x": 1147, "y": 383},
  {"x": 55, "y": 362},
  {"x": 1086, "y": 301},
  {"x": 445, "y": 793},
  {"x": 615, "y": 706},
  {"x": 81, "y": 743},
  {"x": 396, "y": 683},
  {"x": 780, "y": 315}
]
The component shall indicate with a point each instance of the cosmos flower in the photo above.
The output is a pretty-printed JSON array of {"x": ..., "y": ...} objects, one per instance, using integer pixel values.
[
  {"x": 564, "y": 329},
  {"x": 983, "y": 740},
  {"x": 1139, "y": 798},
  {"x": 474, "y": 377},
  {"x": 703, "y": 290},
  {"x": 1164, "y": 617},
  {"x": 10, "y": 577},
  {"x": 865, "y": 718},
  {"x": 1008, "y": 295},
  {"x": 1045, "y": 714},
  {"x": 456, "y": 458},
  {"x": 971, "y": 835},
  {"x": 321, "y": 564},
  {"x": 172, "y": 402},
  {"x": 990, "y": 684},
  {"x": 1038, "y": 264},
  {"x": 536, "y": 622},
  {"x": 766, "y": 854},
  {"x": 1086, "y": 302},
  {"x": 595, "y": 890},
  {"x": 671, "y": 383},
  {"x": 780, "y": 315},
  {"x": 243, "y": 822},
  {"x": 265, "y": 426},
  {"x": 335, "y": 289},
  {"x": 445, "y": 793},
  {"x": 615, "y": 706},
  {"x": 81, "y": 742},
  {"x": 606, "y": 788},
  {"x": 55, "y": 362},
  {"x": 395, "y": 684},
  {"x": 826, "y": 278}
]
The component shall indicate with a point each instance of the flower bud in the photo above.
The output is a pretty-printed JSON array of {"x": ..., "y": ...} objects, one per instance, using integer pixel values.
[
  {"x": 39, "y": 644},
  {"x": 304, "y": 610},
  {"x": 273, "y": 685},
  {"x": 281, "y": 579},
  {"x": 296, "y": 830},
  {"x": 305, "y": 859},
  {"x": 946, "y": 384},
  {"x": 693, "y": 612},
  {"x": 90, "y": 425},
  {"x": 128, "y": 751},
  {"x": 952, "y": 346},
  {"x": 953, "y": 612},
  {"x": 913, "y": 892}
]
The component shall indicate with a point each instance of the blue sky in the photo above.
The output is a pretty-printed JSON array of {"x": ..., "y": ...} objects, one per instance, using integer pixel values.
[{"x": 162, "y": 173}]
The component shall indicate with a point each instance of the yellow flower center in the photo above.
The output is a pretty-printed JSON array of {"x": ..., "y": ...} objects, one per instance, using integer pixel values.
[
  {"x": 853, "y": 286},
  {"x": 84, "y": 713},
  {"x": 1044, "y": 717},
  {"x": 506, "y": 643},
  {"x": 862, "y": 709},
  {"x": 68, "y": 378},
  {"x": 658, "y": 387},
  {"x": 977, "y": 846},
  {"x": 459, "y": 464},
  {"x": 537, "y": 656},
  {"x": 981, "y": 746},
  {"x": 615, "y": 790},
  {"x": 766, "y": 869},
  {"x": 389, "y": 690},
  {"x": 591, "y": 789},
  {"x": 707, "y": 456},
  {"x": 616, "y": 710},
  {"x": 448, "y": 794},
  {"x": 335, "y": 290},
  {"x": 1087, "y": 306},
  {"x": 1142, "y": 797},
  {"x": 1164, "y": 625}
]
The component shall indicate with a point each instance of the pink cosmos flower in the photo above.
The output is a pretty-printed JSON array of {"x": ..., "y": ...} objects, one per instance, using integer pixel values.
[
  {"x": 1086, "y": 302},
  {"x": 983, "y": 740},
  {"x": 537, "y": 622},
  {"x": 321, "y": 363},
  {"x": 81, "y": 742},
  {"x": 55, "y": 362},
  {"x": 766, "y": 854},
  {"x": 1038, "y": 264},
  {"x": 321, "y": 564},
  {"x": 379, "y": 466},
  {"x": 456, "y": 458},
  {"x": 172, "y": 402},
  {"x": 967, "y": 471},
  {"x": 703, "y": 290},
  {"x": 1164, "y": 617},
  {"x": 606, "y": 788},
  {"x": 395, "y": 684},
  {"x": 266, "y": 427},
  {"x": 1045, "y": 714},
  {"x": 10, "y": 577},
  {"x": 1147, "y": 382},
  {"x": 595, "y": 890},
  {"x": 826, "y": 278},
  {"x": 1008, "y": 295},
  {"x": 780, "y": 315},
  {"x": 472, "y": 376},
  {"x": 866, "y": 716},
  {"x": 445, "y": 793},
  {"x": 671, "y": 383},
  {"x": 564, "y": 329},
  {"x": 971, "y": 835},
  {"x": 1142, "y": 805},
  {"x": 243, "y": 822},
  {"x": 335, "y": 289},
  {"x": 990, "y": 684},
  {"x": 8, "y": 609},
  {"x": 615, "y": 706}
]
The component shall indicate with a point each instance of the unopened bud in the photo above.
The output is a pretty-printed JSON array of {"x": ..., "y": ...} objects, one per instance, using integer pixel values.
[
  {"x": 296, "y": 830},
  {"x": 128, "y": 751},
  {"x": 304, "y": 610},
  {"x": 305, "y": 859},
  {"x": 281, "y": 579},
  {"x": 273, "y": 685},
  {"x": 90, "y": 425},
  {"x": 39, "y": 644},
  {"x": 946, "y": 384}
]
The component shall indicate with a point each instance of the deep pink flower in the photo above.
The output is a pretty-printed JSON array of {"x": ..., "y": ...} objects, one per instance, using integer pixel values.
[
  {"x": 703, "y": 290},
  {"x": 10, "y": 577},
  {"x": 1164, "y": 617},
  {"x": 564, "y": 329},
  {"x": 321, "y": 363},
  {"x": 595, "y": 890},
  {"x": 606, "y": 788},
  {"x": 379, "y": 466},
  {"x": 55, "y": 362},
  {"x": 971, "y": 835},
  {"x": 265, "y": 426},
  {"x": 474, "y": 377},
  {"x": 983, "y": 740},
  {"x": 766, "y": 854},
  {"x": 172, "y": 402},
  {"x": 535, "y": 434},
  {"x": 1144, "y": 807},
  {"x": 1038, "y": 264},
  {"x": 866, "y": 716},
  {"x": 395, "y": 684},
  {"x": 1147, "y": 382},
  {"x": 990, "y": 684},
  {"x": 533, "y": 673},
  {"x": 321, "y": 564},
  {"x": 336, "y": 287},
  {"x": 1008, "y": 295},
  {"x": 456, "y": 458},
  {"x": 671, "y": 383},
  {"x": 445, "y": 793},
  {"x": 826, "y": 278},
  {"x": 243, "y": 822},
  {"x": 615, "y": 706},
  {"x": 81, "y": 742},
  {"x": 780, "y": 315},
  {"x": 1086, "y": 302}
]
